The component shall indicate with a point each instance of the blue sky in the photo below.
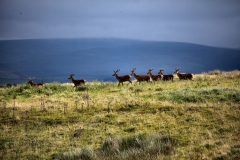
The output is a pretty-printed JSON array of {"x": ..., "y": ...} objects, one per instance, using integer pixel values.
[{"x": 207, "y": 22}]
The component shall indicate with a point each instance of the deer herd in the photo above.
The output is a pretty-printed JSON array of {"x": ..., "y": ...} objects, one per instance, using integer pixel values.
[{"x": 127, "y": 78}]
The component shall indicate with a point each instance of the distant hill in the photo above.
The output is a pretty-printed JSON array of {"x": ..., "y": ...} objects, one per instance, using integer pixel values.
[{"x": 51, "y": 60}]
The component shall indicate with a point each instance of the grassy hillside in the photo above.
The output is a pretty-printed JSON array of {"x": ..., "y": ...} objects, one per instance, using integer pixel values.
[{"x": 197, "y": 119}]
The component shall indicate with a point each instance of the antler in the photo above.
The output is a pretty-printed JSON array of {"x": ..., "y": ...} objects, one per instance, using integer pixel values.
[
  {"x": 134, "y": 69},
  {"x": 30, "y": 78},
  {"x": 178, "y": 68},
  {"x": 116, "y": 71}
]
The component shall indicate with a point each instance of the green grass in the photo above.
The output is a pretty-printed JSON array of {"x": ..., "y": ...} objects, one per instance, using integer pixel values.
[{"x": 196, "y": 119}]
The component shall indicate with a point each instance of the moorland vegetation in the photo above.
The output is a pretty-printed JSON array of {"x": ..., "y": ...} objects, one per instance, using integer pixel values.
[{"x": 183, "y": 119}]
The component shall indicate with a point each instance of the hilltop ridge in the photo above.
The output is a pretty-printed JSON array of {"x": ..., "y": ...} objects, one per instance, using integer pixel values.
[{"x": 94, "y": 59}]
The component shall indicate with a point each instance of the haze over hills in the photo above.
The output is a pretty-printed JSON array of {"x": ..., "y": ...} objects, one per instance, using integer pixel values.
[{"x": 50, "y": 60}]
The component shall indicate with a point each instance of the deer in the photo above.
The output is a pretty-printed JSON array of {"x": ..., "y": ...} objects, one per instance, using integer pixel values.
[
  {"x": 34, "y": 84},
  {"x": 77, "y": 82},
  {"x": 184, "y": 76},
  {"x": 140, "y": 78},
  {"x": 154, "y": 77},
  {"x": 121, "y": 79},
  {"x": 165, "y": 77}
]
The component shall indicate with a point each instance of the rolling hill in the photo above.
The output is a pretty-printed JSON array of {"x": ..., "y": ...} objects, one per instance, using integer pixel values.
[{"x": 51, "y": 60}]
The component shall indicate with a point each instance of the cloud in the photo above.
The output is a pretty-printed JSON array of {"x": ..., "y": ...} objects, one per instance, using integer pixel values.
[{"x": 213, "y": 23}]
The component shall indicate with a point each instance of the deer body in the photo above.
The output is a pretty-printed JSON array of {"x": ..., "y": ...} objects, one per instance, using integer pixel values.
[
  {"x": 77, "y": 82},
  {"x": 165, "y": 77},
  {"x": 154, "y": 77},
  {"x": 34, "y": 84},
  {"x": 184, "y": 76},
  {"x": 121, "y": 79},
  {"x": 140, "y": 78}
]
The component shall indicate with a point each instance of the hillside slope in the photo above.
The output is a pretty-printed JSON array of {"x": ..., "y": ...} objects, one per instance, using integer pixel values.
[{"x": 54, "y": 59}]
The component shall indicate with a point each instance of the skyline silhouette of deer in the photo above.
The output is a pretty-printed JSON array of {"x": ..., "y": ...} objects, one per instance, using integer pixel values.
[
  {"x": 165, "y": 77},
  {"x": 154, "y": 77},
  {"x": 34, "y": 84},
  {"x": 77, "y": 82},
  {"x": 123, "y": 78},
  {"x": 140, "y": 78},
  {"x": 183, "y": 76}
]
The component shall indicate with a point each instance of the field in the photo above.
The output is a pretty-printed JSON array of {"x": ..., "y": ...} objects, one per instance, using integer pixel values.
[{"x": 197, "y": 119}]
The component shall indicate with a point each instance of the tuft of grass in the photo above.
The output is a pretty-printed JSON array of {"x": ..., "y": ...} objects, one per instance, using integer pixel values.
[{"x": 134, "y": 147}]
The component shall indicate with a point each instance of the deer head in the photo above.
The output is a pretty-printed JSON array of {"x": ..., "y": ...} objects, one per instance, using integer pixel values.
[
  {"x": 133, "y": 70},
  {"x": 177, "y": 70},
  {"x": 160, "y": 71},
  {"x": 71, "y": 76},
  {"x": 115, "y": 72},
  {"x": 150, "y": 70},
  {"x": 31, "y": 79}
]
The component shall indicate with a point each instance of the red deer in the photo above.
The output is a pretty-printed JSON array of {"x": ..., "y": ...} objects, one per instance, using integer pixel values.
[
  {"x": 77, "y": 82},
  {"x": 154, "y": 77},
  {"x": 34, "y": 84},
  {"x": 183, "y": 75},
  {"x": 165, "y": 77},
  {"x": 121, "y": 79},
  {"x": 140, "y": 78}
]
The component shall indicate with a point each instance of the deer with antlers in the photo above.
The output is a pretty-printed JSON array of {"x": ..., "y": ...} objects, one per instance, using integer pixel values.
[
  {"x": 165, "y": 77},
  {"x": 34, "y": 84},
  {"x": 140, "y": 78},
  {"x": 154, "y": 77},
  {"x": 77, "y": 82},
  {"x": 121, "y": 79},
  {"x": 184, "y": 76}
]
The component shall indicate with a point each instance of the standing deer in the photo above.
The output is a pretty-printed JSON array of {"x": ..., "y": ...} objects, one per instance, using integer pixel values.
[
  {"x": 183, "y": 75},
  {"x": 77, "y": 82},
  {"x": 140, "y": 78},
  {"x": 121, "y": 79},
  {"x": 154, "y": 77},
  {"x": 34, "y": 84},
  {"x": 165, "y": 77}
]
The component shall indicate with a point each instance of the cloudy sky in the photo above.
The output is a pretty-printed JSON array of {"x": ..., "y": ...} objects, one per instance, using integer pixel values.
[{"x": 208, "y": 22}]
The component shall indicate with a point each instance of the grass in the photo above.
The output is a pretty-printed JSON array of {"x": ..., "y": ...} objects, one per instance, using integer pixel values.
[{"x": 196, "y": 119}]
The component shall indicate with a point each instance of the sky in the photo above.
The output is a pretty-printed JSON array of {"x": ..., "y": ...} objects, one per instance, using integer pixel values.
[{"x": 208, "y": 22}]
